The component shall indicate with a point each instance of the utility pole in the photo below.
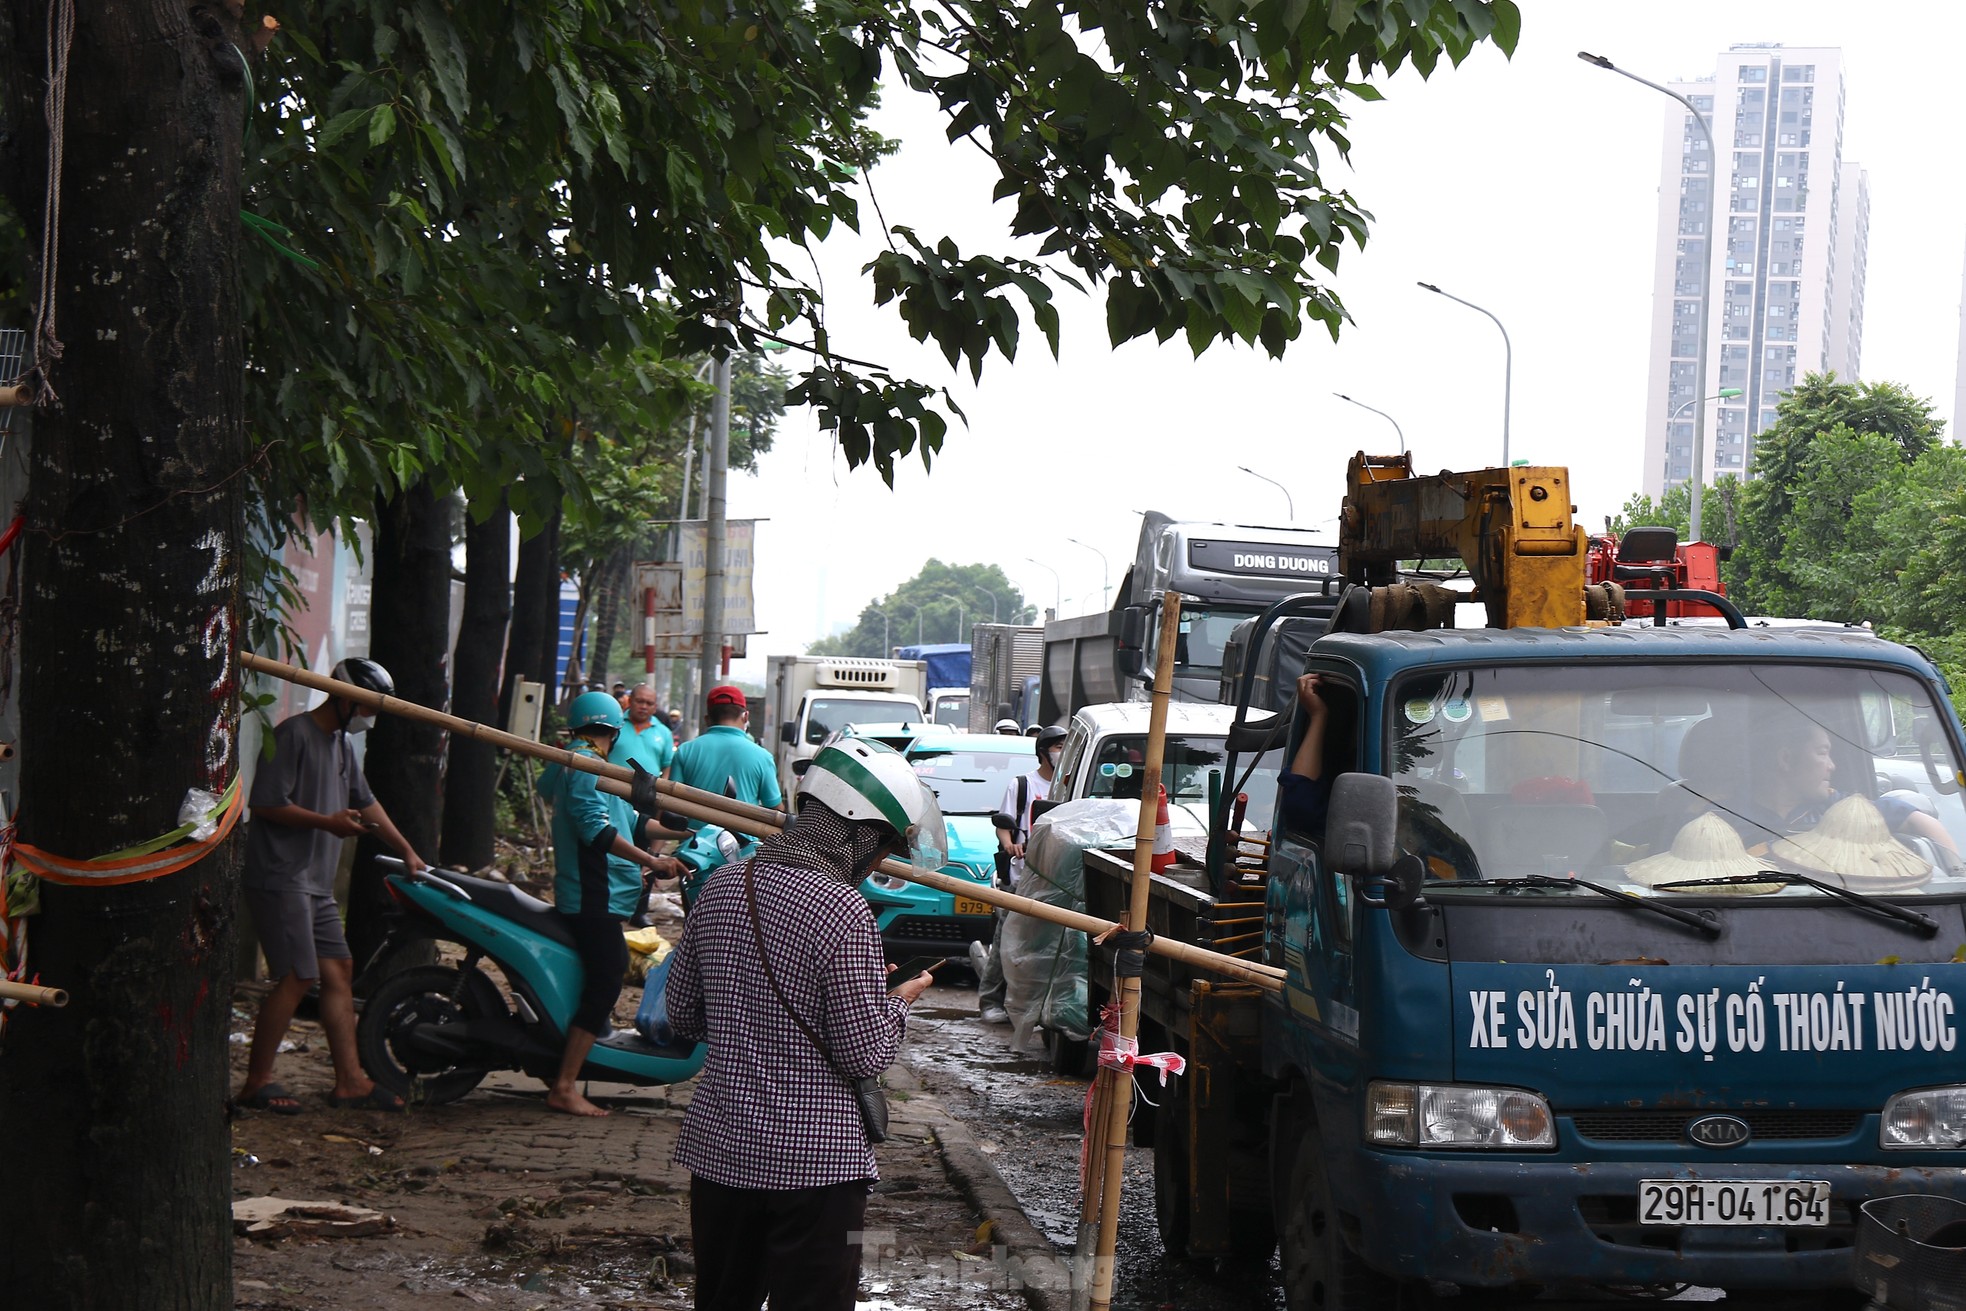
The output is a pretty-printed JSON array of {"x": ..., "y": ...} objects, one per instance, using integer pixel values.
[{"x": 717, "y": 469}]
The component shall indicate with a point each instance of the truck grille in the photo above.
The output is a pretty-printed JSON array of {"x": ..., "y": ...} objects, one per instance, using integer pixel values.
[
  {"x": 923, "y": 928},
  {"x": 1669, "y": 1126}
]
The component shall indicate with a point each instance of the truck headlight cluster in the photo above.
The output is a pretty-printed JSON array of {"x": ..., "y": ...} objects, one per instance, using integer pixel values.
[
  {"x": 1457, "y": 1116},
  {"x": 1925, "y": 1118},
  {"x": 887, "y": 882}
]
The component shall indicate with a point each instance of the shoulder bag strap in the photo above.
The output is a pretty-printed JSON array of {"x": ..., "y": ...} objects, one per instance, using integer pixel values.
[{"x": 764, "y": 959}]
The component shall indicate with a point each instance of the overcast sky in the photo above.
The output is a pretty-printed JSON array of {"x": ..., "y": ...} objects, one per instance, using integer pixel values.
[{"x": 1528, "y": 186}]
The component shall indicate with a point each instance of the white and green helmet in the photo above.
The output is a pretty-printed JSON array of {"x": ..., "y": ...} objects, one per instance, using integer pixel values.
[{"x": 872, "y": 783}]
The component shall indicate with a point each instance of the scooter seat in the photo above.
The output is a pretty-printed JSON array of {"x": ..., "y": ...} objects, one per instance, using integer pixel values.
[{"x": 510, "y": 903}]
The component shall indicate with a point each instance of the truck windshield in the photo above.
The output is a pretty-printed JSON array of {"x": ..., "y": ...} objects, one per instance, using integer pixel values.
[
  {"x": 1661, "y": 780},
  {"x": 1121, "y": 766},
  {"x": 952, "y": 711},
  {"x": 970, "y": 782},
  {"x": 828, "y": 716},
  {"x": 1204, "y": 633}
]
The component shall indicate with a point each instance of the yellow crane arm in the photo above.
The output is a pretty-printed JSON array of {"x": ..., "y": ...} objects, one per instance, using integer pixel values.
[{"x": 1512, "y": 528}]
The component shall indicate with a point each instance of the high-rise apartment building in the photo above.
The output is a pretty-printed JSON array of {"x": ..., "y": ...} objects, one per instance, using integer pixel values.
[{"x": 1785, "y": 243}]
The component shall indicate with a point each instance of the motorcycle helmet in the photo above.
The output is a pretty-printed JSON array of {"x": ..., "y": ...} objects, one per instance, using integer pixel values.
[
  {"x": 1007, "y": 726},
  {"x": 1050, "y": 736},
  {"x": 594, "y": 710},
  {"x": 365, "y": 674},
  {"x": 370, "y": 677},
  {"x": 871, "y": 783}
]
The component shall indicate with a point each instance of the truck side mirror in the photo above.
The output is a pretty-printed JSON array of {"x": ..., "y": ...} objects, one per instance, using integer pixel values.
[
  {"x": 799, "y": 767},
  {"x": 789, "y": 734},
  {"x": 1400, "y": 889},
  {"x": 1257, "y": 734},
  {"x": 1360, "y": 825},
  {"x": 1133, "y": 627},
  {"x": 1039, "y": 809}
]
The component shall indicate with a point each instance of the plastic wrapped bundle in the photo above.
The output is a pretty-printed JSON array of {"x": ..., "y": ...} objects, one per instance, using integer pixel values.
[{"x": 1044, "y": 964}]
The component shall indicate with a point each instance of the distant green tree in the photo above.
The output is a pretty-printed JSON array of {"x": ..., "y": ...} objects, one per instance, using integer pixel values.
[
  {"x": 939, "y": 604},
  {"x": 1770, "y": 575},
  {"x": 1673, "y": 510}
]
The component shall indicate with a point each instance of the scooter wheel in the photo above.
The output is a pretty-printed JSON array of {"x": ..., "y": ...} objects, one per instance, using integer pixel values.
[{"x": 403, "y": 1002}]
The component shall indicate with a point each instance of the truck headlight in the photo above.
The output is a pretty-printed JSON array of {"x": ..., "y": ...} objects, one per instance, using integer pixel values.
[
  {"x": 1456, "y": 1115},
  {"x": 1925, "y": 1117},
  {"x": 887, "y": 882}
]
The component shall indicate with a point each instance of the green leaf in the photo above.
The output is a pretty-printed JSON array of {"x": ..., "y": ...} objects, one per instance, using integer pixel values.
[{"x": 382, "y": 125}]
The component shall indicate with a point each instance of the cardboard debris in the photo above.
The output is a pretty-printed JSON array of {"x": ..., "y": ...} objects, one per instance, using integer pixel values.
[{"x": 281, "y": 1217}]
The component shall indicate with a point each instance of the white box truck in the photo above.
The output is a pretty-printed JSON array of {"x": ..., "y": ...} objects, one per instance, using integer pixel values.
[{"x": 810, "y": 698}]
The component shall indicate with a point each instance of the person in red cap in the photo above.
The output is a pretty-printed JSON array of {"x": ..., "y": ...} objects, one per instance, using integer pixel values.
[{"x": 724, "y": 759}]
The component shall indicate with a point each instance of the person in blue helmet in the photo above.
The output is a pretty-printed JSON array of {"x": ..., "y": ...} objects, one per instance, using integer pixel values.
[{"x": 597, "y": 884}]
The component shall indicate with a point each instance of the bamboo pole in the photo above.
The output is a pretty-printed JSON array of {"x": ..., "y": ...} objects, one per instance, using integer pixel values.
[
  {"x": 1118, "y": 1099},
  {"x": 32, "y": 995},
  {"x": 754, "y": 821}
]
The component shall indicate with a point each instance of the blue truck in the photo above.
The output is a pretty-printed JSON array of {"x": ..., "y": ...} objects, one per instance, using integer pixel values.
[{"x": 1613, "y": 955}]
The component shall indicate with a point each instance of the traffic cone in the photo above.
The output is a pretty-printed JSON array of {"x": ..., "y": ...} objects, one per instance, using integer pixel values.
[{"x": 1164, "y": 854}]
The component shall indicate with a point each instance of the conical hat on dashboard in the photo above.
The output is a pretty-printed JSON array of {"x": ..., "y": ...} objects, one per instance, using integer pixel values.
[
  {"x": 1853, "y": 845},
  {"x": 1706, "y": 848}
]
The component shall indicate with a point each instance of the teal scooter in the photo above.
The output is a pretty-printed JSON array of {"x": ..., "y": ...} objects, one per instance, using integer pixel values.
[{"x": 431, "y": 1033}]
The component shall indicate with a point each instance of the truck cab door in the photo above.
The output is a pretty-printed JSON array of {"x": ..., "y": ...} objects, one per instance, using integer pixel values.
[{"x": 1309, "y": 911}]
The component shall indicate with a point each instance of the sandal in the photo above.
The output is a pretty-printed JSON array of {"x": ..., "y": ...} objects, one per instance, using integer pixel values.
[
  {"x": 377, "y": 1098},
  {"x": 270, "y": 1097}
]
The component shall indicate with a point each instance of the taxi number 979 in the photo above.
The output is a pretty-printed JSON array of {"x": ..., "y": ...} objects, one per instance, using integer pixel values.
[{"x": 1733, "y": 1202}]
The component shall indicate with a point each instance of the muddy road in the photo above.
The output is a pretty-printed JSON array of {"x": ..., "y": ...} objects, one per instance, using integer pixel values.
[{"x": 1027, "y": 1120}]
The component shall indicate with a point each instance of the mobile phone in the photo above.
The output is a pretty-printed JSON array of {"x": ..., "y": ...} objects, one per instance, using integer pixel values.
[{"x": 908, "y": 969}]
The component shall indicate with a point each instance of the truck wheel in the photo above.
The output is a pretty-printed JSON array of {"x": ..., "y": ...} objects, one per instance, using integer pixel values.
[
  {"x": 425, "y": 994},
  {"x": 1171, "y": 1173},
  {"x": 1319, "y": 1272}
]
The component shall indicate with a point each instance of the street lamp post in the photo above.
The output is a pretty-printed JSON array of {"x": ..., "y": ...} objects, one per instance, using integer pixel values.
[
  {"x": 1105, "y": 573},
  {"x": 1290, "y": 506},
  {"x": 1693, "y": 498},
  {"x": 1381, "y": 413},
  {"x": 1057, "y": 588},
  {"x": 885, "y": 648},
  {"x": 993, "y": 602},
  {"x": 961, "y": 611},
  {"x": 1508, "y": 361},
  {"x": 1709, "y": 231}
]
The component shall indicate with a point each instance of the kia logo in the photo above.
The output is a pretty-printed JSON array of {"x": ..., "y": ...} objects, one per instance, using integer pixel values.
[{"x": 1718, "y": 1131}]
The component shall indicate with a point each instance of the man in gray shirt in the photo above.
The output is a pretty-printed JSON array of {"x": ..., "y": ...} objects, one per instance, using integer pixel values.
[{"x": 306, "y": 799}]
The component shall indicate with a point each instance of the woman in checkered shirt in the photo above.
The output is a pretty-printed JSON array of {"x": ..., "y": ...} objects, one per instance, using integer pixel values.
[{"x": 778, "y": 1157}]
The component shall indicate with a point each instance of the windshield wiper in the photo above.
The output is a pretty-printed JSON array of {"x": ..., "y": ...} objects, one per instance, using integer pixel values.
[
  {"x": 1704, "y": 923},
  {"x": 1861, "y": 900}
]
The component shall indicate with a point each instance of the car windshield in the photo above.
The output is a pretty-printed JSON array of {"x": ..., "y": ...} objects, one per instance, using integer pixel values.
[
  {"x": 970, "y": 782},
  {"x": 1680, "y": 781},
  {"x": 1203, "y": 635},
  {"x": 1121, "y": 766},
  {"x": 828, "y": 716}
]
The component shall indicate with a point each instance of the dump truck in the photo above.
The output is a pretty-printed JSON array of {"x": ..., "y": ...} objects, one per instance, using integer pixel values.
[
  {"x": 1225, "y": 573},
  {"x": 1611, "y": 952}
]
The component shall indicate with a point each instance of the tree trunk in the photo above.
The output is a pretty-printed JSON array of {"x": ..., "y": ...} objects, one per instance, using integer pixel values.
[
  {"x": 120, "y": 1179},
  {"x": 471, "y": 777},
  {"x": 410, "y": 618},
  {"x": 607, "y": 612},
  {"x": 532, "y": 651}
]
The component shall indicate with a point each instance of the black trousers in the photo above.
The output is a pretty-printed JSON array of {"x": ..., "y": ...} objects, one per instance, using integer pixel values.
[
  {"x": 603, "y": 962},
  {"x": 800, "y": 1246}
]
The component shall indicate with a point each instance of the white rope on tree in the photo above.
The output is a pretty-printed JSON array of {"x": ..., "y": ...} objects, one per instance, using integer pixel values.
[{"x": 47, "y": 342}]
